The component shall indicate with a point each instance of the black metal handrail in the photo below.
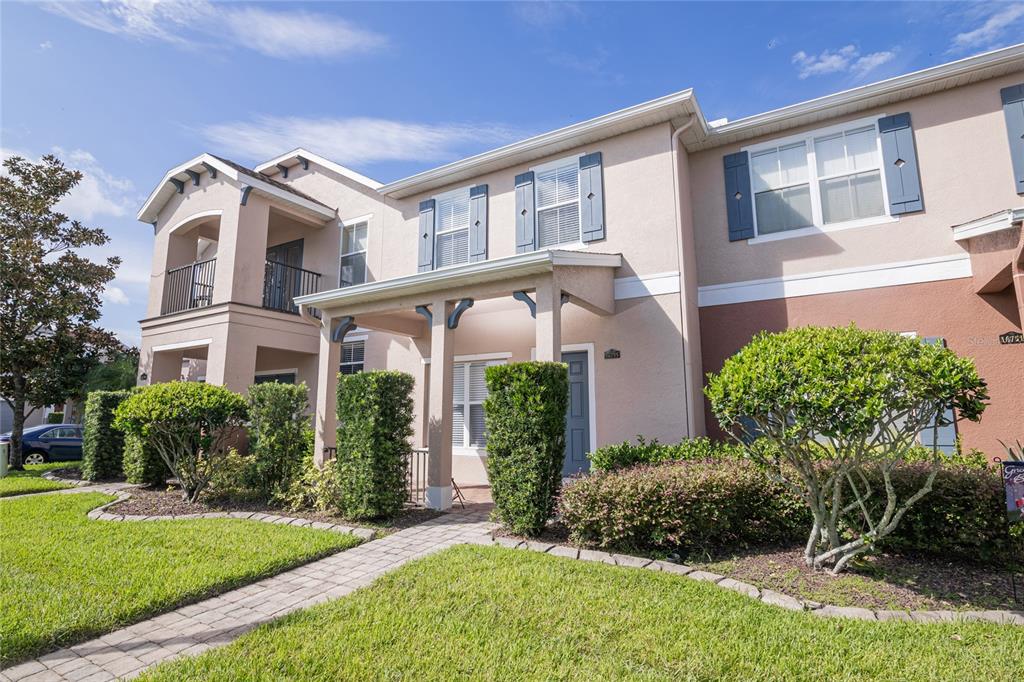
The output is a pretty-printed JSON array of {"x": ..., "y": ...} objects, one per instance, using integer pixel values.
[
  {"x": 188, "y": 287},
  {"x": 282, "y": 283}
]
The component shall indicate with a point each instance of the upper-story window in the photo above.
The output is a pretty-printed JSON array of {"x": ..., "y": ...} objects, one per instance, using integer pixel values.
[
  {"x": 822, "y": 178},
  {"x": 558, "y": 204},
  {"x": 452, "y": 232},
  {"x": 353, "y": 254}
]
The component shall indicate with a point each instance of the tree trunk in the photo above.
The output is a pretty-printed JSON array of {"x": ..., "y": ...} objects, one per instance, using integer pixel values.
[{"x": 17, "y": 404}]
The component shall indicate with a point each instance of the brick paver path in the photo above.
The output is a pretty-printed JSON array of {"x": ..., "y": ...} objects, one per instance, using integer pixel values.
[{"x": 214, "y": 622}]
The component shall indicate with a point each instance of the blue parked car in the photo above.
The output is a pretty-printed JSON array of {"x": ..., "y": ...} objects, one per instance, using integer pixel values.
[{"x": 50, "y": 443}]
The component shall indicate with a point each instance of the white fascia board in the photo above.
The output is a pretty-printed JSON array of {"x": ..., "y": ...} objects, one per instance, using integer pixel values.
[
  {"x": 469, "y": 273},
  {"x": 997, "y": 222},
  {"x": 319, "y": 160}
]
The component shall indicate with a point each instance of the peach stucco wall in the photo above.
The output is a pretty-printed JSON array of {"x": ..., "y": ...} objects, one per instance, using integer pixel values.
[
  {"x": 971, "y": 325},
  {"x": 964, "y": 163}
]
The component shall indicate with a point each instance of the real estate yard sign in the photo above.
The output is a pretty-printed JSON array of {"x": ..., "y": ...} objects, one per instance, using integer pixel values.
[{"x": 1013, "y": 482}]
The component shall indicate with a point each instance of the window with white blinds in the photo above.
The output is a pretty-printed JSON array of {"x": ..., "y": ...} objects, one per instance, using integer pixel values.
[
  {"x": 352, "y": 355},
  {"x": 353, "y": 255},
  {"x": 558, "y": 205},
  {"x": 452, "y": 228},
  {"x": 469, "y": 390}
]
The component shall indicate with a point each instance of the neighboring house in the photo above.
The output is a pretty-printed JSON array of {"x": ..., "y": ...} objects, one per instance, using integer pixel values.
[{"x": 642, "y": 247}]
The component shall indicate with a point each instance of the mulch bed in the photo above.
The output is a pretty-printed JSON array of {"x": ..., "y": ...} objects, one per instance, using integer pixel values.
[
  {"x": 882, "y": 581},
  {"x": 152, "y": 502}
]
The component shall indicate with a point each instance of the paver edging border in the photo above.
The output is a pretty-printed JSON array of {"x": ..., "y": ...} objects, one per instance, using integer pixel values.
[
  {"x": 76, "y": 482},
  {"x": 100, "y": 514},
  {"x": 777, "y": 599}
]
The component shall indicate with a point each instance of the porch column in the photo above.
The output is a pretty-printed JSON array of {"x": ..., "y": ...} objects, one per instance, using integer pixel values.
[
  {"x": 242, "y": 252},
  {"x": 328, "y": 363},
  {"x": 549, "y": 320},
  {"x": 439, "y": 408},
  {"x": 164, "y": 366},
  {"x": 231, "y": 359}
]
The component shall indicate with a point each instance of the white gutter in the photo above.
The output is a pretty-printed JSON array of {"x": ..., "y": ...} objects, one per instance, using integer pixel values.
[
  {"x": 996, "y": 222},
  {"x": 686, "y": 337}
]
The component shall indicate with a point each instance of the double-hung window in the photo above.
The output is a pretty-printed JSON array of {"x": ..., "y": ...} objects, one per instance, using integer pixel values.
[
  {"x": 452, "y": 233},
  {"x": 352, "y": 356},
  {"x": 353, "y": 254},
  {"x": 821, "y": 179},
  {"x": 558, "y": 204},
  {"x": 469, "y": 390}
]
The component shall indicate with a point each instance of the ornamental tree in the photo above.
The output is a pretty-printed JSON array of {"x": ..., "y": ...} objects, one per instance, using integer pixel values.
[
  {"x": 818, "y": 407},
  {"x": 191, "y": 425}
]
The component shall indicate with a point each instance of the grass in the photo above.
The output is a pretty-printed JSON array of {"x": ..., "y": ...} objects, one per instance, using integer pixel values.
[
  {"x": 65, "y": 578},
  {"x": 31, "y": 479},
  {"x": 496, "y": 614}
]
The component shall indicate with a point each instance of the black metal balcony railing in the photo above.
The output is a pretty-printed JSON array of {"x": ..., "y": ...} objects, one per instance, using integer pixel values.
[
  {"x": 282, "y": 283},
  {"x": 189, "y": 286}
]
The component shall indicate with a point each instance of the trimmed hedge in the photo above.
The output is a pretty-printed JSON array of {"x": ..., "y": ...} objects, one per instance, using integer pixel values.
[
  {"x": 627, "y": 454},
  {"x": 374, "y": 431},
  {"x": 102, "y": 445},
  {"x": 277, "y": 436},
  {"x": 693, "y": 506},
  {"x": 142, "y": 463},
  {"x": 525, "y": 418}
]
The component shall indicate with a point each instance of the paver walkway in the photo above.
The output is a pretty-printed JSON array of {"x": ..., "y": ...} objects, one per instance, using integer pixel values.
[{"x": 215, "y": 622}]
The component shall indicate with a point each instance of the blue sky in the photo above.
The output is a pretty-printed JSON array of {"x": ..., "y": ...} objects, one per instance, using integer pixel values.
[{"x": 125, "y": 90}]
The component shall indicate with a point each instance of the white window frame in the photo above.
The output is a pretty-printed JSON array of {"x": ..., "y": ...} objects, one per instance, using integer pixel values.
[
  {"x": 551, "y": 165},
  {"x": 350, "y": 223},
  {"x": 814, "y": 181},
  {"x": 354, "y": 339},
  {"x": 438, "y": 198},
  {"x": 467, "y": 360}
]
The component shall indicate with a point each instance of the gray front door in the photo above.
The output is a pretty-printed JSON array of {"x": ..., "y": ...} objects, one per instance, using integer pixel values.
[{"x": 577, "y": 417}]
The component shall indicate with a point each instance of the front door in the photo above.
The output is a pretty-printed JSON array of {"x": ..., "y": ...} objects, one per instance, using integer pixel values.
[
  {"x": 282, "y": 280},
  {"x": 577, "y": 417}
]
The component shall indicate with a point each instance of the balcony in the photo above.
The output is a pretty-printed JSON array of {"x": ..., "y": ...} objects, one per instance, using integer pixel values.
[
  {"x": 188, "y": 287},
  {"x": 282, "y": 283}
]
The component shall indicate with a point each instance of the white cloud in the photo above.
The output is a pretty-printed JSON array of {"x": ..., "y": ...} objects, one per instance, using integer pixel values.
[
  {"x": 994, "y": 30},
  {"x": 546, "y": 13},
  {"x": 285, "y": 34},
  {"x": 354, "y": 141},
  {"x": 99, "y": 193},
  {"x": 45, "y": 45},
  {"x": 114, "y": 294},
  {"x": 847, "y": 59}
]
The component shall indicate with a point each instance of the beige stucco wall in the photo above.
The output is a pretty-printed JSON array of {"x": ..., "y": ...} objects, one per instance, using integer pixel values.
[{"x": 964, "y": 163}]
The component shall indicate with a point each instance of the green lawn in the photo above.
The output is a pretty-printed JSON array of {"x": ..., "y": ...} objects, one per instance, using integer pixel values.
[
  {"x": 64, "y": 578},
  {"x": 31, "y": 479},
  {"x": 497, "y": 614}
]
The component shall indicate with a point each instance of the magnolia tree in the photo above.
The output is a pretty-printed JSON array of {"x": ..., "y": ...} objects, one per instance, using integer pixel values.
[
  {"x": 828, "y": 408},
  {"x": 190, "y": 425}
]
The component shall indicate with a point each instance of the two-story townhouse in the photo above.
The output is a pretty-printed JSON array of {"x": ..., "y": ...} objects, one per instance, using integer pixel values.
[{"x": 641, "y": 247}]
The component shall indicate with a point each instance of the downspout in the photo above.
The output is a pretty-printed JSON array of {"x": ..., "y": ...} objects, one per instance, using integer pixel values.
[{"x": 688, "y": 369}]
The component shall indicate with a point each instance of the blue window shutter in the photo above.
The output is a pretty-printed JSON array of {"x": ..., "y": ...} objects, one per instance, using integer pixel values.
[
  {"x": 899, "y": 158},
  {"x": 739, "y": 201},
  {"x": 942, "y": 438},
  {"x": 426, "y": 236},
  {"x": 591, "y": 197},
  {"x": 526, "y": 218},
  {"x": 1013, "y": 110},
  {"x": 478, "y": 223}
]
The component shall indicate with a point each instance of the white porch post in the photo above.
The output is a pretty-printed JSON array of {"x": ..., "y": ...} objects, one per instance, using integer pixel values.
[
  {"x": 326, "y": 393},
  {"x": 549, "y": 320},
  {"x": 439, "y": 409}
]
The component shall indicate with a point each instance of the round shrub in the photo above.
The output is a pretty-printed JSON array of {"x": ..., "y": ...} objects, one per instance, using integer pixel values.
[
  {"x": 690, "y": 506},
  {"x": 525, "y": 419},
  {"x": 626, "y": 454},
  {"x": 190, "y": 425},
  {"x": 278, "y": 423},
  {"x": 374, "y": 431},
  {"x": 102, "y": 444}
]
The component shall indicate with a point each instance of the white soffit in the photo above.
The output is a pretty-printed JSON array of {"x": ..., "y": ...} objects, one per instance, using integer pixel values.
[{"x": 292, "y": 159}]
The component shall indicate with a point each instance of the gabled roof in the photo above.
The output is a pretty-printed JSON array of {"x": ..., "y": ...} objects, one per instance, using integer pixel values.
[
  {"x": 296, "y": 157},
  {"x": 204, "y": 164}
]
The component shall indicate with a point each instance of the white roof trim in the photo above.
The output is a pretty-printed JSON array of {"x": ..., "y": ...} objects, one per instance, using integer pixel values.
[
  {"x": 319, "y": 160},
  {"x": 996, "y": 222},
  {"x": 468, "y": 273},
  {"x": 667, "y": 108},
  {"x": 165, "y": 190}
]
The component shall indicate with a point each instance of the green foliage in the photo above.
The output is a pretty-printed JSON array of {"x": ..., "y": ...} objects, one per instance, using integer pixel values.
[
  {"x": 525, "y": 417},
  {"x": 142, "y": 463},
  {"x": 374, "y": 428},
  {"x": 115, "y": 372},
  {"x": 693, "y": 506},
  {"x": 314, "y": 488},
  {"x": 55, "y": 418},
  {"x": 102, "y": 445},
  {"x": 626, "y": 454},
  {"x": 278, "y": 424},
  {"x": 190, "y": 425}
]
